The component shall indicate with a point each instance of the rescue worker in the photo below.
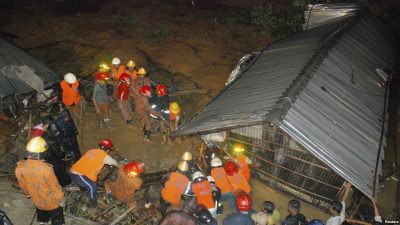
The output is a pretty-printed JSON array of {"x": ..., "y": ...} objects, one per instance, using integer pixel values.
[
  {"x": 187, "y": 156},
  {"x": 174, "y": 116},
  {"x": 174, "y": 187},
  {"x": 242, "y": 160},
  {"x": 274, "y": 217},
  {"x": 131, "y": 70},
  {"x": 203, "y": 191},
  {"x": 243, "y": 206},
  {"x": 38, "y": 181},
  {"x": 126, "y": 183},
  {"x": 140, "y": 81},
  {"x": 70, "y": 92},
  {"x": 204, "y": 216},
  {"x": 123, "y": 97},
  {"x": 116, "y": 70},
  {"x": 236, "y": 178},
  {"x": 160, "y": 103},
  {"x": 68, "y": 131},
  {"x": 221, "y": 180},
  {"x": 145, "y": 111},
  {"x": 85, "y": 171},
  {"x": 101, "y": 100}
]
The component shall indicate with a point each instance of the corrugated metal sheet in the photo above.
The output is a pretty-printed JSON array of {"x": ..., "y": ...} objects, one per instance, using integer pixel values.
[
  {"x": 252, "y": 131},
  {"x": 319, "y": 88},
  {"x": 249, "y": 98},
  {"x": 327, "y": 13},
  {"x": 12, "y": 55}
]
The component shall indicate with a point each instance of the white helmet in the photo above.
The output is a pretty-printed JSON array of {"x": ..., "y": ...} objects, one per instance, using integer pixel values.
[
  {"x": 116, "y": 61},
  {"x": 70, "y": 78},
  {"x": 215, "y": 162},
  {"x": 196, "y": 175}
]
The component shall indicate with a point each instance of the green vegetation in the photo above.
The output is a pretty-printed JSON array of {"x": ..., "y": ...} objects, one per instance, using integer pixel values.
[{"x": 158, "y": 34}]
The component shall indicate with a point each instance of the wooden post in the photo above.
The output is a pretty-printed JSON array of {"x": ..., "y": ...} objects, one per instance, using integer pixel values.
[{"x": 122, "y": 216}]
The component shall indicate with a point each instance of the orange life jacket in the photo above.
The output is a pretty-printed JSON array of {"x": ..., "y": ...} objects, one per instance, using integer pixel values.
[
  {"x": 203, "y": 193},
  {"x": 173, "y": 116},
  {"x": 90, "y": 164},
  {"x": 37, "y": 179},
  {"x": 132, "y": 74},
  {"x": 174, "y": 188},
  {"x": 239, "y": 182},
  {"x": 241, "y": 161},
  {"x": 116, "y": 73},
  {"x": 70, "y": 94},
  {"x": 221, "y": 179}
]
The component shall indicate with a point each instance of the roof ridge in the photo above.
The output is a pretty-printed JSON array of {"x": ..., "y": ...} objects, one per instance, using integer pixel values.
[{"x": 278, "y": 111}]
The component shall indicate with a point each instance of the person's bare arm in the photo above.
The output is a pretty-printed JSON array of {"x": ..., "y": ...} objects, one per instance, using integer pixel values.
[
  {"x": 374, "y": 201},
  {"x": 347, "y": 187}
]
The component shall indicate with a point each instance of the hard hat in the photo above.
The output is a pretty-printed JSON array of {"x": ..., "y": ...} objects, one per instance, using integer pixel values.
[
  {"x": 198, "y": 176},
  {"x": 104, "y": 67},
  {"x": 145, "y": 90},
  {"x": 174, "y": 108},
  {"x": 70, "y": 78},
  {"x": 106, "y": 144},
  {"x": 243, "y": 201},
  {"x": 203, "y": 214},
  {"x": 187, "y": 156},
  {"x": 238, "y": 148},
  {"x": 131, "y": 63},
  {"x": 124, "y": 78},
  {"x": 36, "y": 145},
  {"x": 315, "y": 222},
  {"x": 142, "y": 71},
  {"x": 162, "y": 90},
  {"x": 215, "y": 162},
  {"x": 231, "y": 168},
  {"x": 116, "y": 61},
  {"x": 102, "y": 76},
  {"x": 133, "y": 169},
  {"x": 183, "y": 166}
]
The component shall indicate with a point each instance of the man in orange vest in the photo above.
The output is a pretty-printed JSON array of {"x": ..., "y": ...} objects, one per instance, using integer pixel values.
[
  {"x": 175, "y": 187},
  {"x": 236, "y": 177},
  {"x": 242, "y": 160},
  {"x": 117, "y": 69},
  {"x": 85, "y": 171},
  {"x": 131, "y": 70},
  {"x": 127, "y": 182},
  {"x": 174, "y": 116},
  {"x": 221, "y": 180},
  {"x": 70, "y": 92},
  {"x": 202, "y": 189},
  {"x": 38, "y": 181}
]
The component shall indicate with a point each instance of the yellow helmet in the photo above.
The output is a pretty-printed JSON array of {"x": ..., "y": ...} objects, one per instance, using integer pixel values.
[
  {"x": 187, "y": 156},
  {"x": 104, "y": 68},
  {"x": 131, "y": 63},
  {"x": 142, "y": 71},
  {"x": 36, "y": 145},
  {"x": 238, "y": 148},
  {"x": 183, "y": 166},
  {"x": 174, "y": 108}
]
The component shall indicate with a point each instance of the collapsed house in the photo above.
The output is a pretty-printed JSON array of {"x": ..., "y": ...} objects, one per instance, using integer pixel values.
[
  {"x": 310, "y": 108},
  {"x": 23, "y": 79}
]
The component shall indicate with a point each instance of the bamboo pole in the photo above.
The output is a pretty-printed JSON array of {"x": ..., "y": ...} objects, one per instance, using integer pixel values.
[
  {"x": 271, "y": 142},
  {"x": 357, "y": 221}
]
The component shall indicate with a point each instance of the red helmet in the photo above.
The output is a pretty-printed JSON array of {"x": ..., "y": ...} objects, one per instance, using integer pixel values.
[
  {"x": 243, "y": 201},
  {"x": 102, "y": 76},
  {"x": 124, "y": 78},
  {"x": 231, "y": 168},
  {"x": 162, "y": 90},
  {"x": 133, "y": 169},
  {"x": 106, "y": 144},
  {"x": 145, "y": 90}
]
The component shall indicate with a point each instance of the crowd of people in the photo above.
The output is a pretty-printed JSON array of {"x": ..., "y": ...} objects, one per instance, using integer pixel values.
[{"x": 193, "y": 193}]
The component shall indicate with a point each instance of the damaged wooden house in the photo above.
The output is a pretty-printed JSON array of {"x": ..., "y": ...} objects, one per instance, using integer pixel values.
[{"x": 309, "y": 109}]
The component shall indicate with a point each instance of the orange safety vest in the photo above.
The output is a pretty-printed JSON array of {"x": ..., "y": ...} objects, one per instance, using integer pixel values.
[
  {"x": 90, "y": 164},
  {"x": 37, "y": 180},
  {"x": 203, "y": 193},
  {"x": 174, "y": 188},
  {"x": 221, "y": 179},
  {"x": 70, "y": 94},
  {"x": 241, "y": 161},
  {"x": 239, "y": 182},
  {"x": 116, "y": 73},
  {"x": 173, "y": 116},
  {"x": 132, "y": 74}
]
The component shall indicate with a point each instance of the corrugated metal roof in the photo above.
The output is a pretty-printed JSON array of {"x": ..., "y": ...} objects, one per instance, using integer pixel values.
[
  {"x": 324, "y": 94},
  {"x": 12, "y": 55}
]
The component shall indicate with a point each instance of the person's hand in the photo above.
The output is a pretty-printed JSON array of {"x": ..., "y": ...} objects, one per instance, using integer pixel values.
[{"x": 347, "y": 185}]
